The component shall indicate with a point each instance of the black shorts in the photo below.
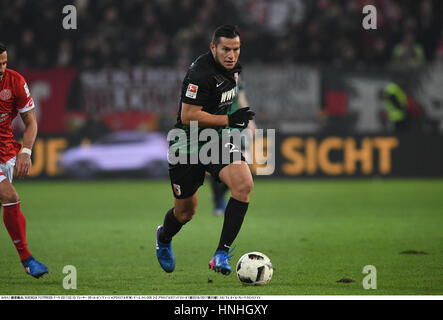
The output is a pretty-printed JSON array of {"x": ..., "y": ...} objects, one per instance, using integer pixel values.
[{"x": 187, "y": 178}]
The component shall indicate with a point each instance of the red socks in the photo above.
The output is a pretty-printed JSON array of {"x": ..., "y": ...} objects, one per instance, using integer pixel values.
[{"x": 16, "y": 225}]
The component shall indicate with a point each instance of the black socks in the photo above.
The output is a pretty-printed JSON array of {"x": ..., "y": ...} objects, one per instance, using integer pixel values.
[
  {"x": 170, "y": 227},
  {"x": 234, "y": 215},
  {"x": 233, "y": 220}
]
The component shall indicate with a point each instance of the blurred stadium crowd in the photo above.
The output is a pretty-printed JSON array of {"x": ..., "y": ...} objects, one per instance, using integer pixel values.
[{"x": 173, "y": 32}]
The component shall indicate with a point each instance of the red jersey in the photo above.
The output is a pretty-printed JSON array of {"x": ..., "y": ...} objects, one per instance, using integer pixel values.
[{"x": 14, "y": 97}]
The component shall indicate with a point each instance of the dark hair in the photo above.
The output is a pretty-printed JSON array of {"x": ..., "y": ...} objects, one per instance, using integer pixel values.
[
  {"x": 2, "y": 47},
  {"x": 227, "y": 31}
]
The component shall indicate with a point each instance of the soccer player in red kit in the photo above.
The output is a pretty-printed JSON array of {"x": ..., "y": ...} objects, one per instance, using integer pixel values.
[{"x": 15, "y": 98}]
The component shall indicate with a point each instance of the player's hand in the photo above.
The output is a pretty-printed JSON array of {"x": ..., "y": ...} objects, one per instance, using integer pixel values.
[
  {"x": 23, "y": 165},
  {"x": 240, "y": 118}
]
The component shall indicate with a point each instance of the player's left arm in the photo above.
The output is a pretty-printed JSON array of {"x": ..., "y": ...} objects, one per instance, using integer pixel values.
[{"x": 23, "y": 163}]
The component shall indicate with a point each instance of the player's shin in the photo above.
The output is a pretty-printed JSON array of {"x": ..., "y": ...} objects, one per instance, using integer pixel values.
[
  {"x": 171, "y": 226},
  {"x": 233, "y": 220},
  {"x": 15, "y": 223}
]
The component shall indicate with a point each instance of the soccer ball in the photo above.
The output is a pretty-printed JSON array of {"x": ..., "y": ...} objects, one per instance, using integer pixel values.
[{"x": 254, "y": 268}]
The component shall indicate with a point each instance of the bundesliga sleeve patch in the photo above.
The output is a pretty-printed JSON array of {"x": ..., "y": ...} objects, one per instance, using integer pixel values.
[
  {"x": 192, "y": 91},
  {"x": 27, "y": 90}
]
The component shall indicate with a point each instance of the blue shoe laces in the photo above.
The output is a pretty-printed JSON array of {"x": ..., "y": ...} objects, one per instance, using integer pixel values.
[
  {"x": 229, "y": 252},
  {"x": 228, "y": 256}
]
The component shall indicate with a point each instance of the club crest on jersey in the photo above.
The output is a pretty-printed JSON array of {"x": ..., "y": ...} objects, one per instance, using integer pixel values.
[
  {"x": 192, "y": 91},
  {"x": 177, "y": 189},
  {"x": 5, "y": 94}
]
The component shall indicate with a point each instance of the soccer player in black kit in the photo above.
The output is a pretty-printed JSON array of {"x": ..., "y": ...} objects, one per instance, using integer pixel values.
[{"x": 208, "y": 90}]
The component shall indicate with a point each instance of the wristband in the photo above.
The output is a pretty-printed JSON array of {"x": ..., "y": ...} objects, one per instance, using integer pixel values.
[{"x": 27, "y": 151}]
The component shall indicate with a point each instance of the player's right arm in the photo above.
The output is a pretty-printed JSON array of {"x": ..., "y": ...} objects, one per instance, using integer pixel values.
[
  {"x": 199, "y": 90},
  {"x": 191, "y": 112},
  {"x": 239, "y": 119},
  {"x": 197, "y": 94}
]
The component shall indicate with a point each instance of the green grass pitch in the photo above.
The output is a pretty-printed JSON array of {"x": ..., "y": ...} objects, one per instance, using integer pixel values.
[{"x": 315, "y": 232}]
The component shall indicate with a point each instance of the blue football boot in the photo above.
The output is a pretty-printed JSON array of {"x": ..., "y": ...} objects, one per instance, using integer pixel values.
[
  {"x": 220, "y": 262},
  {"x": 165, "y": 255},
  {"x": 34, "y": 268}
]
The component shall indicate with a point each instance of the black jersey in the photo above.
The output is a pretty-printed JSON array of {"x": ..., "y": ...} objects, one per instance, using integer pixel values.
[{"x": 210, "y": 85}]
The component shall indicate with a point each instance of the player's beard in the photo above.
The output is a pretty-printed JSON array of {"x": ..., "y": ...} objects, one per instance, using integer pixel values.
[
  {"x": 221, "y": 63},
  {"x": 218, "y": 60}
]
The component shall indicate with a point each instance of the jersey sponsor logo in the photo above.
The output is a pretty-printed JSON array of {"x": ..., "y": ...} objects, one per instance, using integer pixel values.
[
  {"x": 228, "y": 95},
  {"x": 177, "y": 189},
  {"x": 192, "y": 91},
  {"x": 5, "y": 94}
]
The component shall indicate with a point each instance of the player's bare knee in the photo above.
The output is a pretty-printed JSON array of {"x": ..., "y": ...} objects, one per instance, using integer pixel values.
[
  {"x": 246, "y": 187},
  {"x": 10, "y": 197},
  {"x": 185, "y": 216},
  {"x": 186, "y": 219},
  {"x": 242, "y": 191}
]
